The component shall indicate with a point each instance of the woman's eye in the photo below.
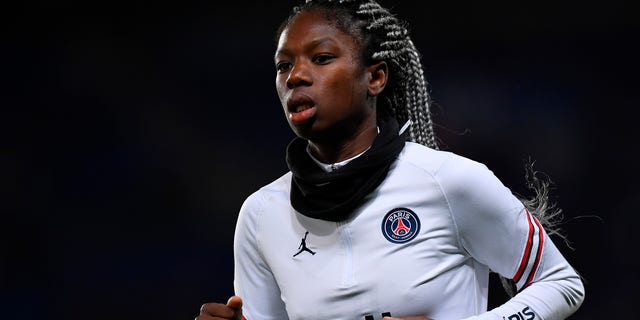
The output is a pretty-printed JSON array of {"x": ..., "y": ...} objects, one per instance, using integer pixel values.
[
  {"x": 283, "y": 66},
  {"x": 321, "y": 59}
]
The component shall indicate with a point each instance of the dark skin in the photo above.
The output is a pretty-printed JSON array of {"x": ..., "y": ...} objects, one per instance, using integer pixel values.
[
  {"x": 216, "y": 311},
  {"x": 329, "y": 98},
  {"x": 319, "y": 67}
]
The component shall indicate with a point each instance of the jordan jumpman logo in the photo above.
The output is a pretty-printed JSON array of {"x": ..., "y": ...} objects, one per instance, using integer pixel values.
[{"x": 303, "y": 245}]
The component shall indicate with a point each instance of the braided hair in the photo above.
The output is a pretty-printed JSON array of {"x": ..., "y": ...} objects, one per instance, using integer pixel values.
[{"x": 384, "y": 37}]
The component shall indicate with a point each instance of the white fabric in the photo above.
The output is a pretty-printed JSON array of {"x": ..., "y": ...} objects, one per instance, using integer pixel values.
[{"x": 470, "y": 223}]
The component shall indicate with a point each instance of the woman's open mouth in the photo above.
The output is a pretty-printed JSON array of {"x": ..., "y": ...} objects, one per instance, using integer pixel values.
[{"x": 302, "y": 113}]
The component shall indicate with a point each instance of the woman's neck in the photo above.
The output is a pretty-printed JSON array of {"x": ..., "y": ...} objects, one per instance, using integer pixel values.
[{"x": 332, "y": 152}]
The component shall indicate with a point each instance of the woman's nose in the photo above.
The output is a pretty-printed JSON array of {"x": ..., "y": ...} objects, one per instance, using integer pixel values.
[{"x": 298, "y": 76}]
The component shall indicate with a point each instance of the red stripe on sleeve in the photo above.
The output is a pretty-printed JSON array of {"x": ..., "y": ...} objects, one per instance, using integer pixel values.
[
  {"x": 538, "y": 254},
  {"x": 527, "y": 252}
]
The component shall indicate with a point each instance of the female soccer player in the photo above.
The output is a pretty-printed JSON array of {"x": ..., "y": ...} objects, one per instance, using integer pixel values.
[{"x": 373, "y": 219}]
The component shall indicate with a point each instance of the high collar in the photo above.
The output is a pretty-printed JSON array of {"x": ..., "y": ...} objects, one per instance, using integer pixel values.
[{"x": 334, "y": 195}]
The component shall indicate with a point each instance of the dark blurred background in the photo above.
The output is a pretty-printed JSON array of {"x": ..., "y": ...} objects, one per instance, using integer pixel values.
[{"x": 132, "y": 132}]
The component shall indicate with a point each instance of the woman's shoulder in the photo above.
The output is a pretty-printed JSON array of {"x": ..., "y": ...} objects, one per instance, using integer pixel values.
[
  {"x": 439, "y": 162},
  {"x": 276, "y": 189},
  {"x": 265, "y": 201},
  {"x": 459, "y": 177}
]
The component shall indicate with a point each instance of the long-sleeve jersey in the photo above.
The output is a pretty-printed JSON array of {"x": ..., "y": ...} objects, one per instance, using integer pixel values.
[{"x": 422, "y": 243}]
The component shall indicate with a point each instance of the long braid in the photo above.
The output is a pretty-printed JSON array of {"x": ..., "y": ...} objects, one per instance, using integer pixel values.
[{"x": 409, "y": 98}]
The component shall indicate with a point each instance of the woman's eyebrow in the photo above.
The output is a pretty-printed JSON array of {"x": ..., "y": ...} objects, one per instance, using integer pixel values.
[{"x": 311, "y": 45}]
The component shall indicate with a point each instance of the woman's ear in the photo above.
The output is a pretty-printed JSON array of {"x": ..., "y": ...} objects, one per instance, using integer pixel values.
[{"x": 378, "y": 76}]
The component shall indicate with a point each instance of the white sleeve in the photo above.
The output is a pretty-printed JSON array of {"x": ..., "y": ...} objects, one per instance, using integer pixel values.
[
  {"x": 253, "y": 280},
  {"x": 497, "y": 231}
]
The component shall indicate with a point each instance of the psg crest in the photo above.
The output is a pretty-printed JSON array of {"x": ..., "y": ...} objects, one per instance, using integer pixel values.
[{"x": 400, "y": 225}]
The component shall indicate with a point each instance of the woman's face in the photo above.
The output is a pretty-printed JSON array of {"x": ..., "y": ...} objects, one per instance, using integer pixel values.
[{"x": 321, "y": 81}]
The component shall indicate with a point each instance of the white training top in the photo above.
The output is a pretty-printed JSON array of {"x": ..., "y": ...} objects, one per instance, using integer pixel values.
[{"x": 423, "y": 243}]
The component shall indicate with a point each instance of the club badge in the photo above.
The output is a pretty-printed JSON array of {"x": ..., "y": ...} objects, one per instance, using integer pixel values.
[{"x": 400, "y": 225}]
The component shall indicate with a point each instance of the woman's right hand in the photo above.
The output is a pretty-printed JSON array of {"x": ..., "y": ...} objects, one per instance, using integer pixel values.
[{"x": 213, "y": 311}]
